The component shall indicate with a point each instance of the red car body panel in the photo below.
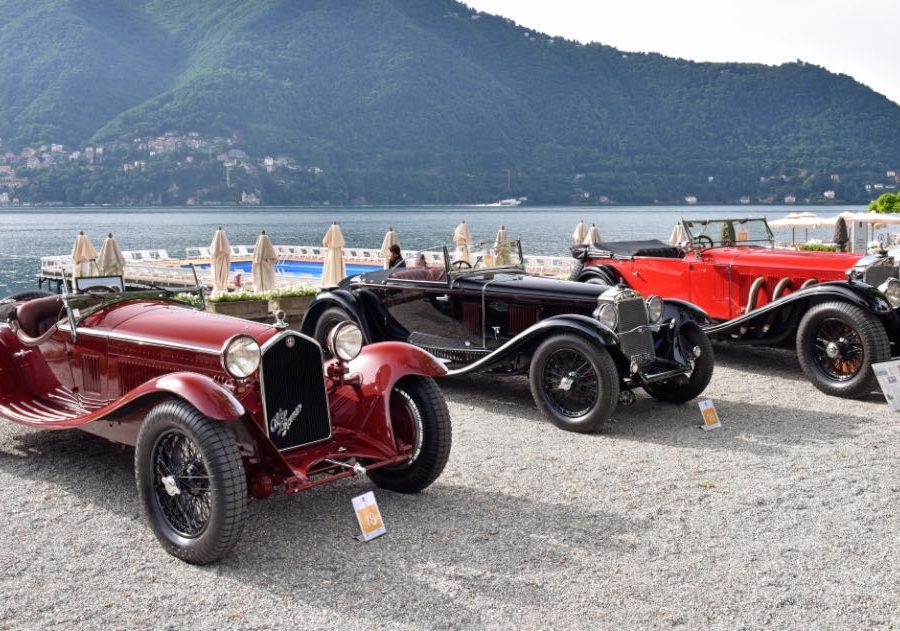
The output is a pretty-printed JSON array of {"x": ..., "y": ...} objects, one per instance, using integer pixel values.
[
  {"x": 127, "y": 357},
  {"x": 719, "y": 280}
]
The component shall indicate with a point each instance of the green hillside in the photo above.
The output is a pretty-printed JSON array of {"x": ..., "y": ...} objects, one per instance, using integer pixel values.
[{"x": 408, "y": 100}]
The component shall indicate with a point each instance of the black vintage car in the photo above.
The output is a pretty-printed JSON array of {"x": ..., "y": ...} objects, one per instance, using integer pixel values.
[{"x": 584, "y": 347}]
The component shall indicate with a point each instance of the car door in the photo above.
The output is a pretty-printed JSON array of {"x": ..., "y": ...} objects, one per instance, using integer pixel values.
[
  {"x": 662, "y": 276},
  {"x": 710, "y": 284},
  {"x": 433, "y": 314}
]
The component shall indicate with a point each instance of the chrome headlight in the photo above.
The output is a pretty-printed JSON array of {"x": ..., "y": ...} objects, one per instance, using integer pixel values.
[
  {"x": 655, "y": 307},
  {"x": 608, "y": 315},
  {"x": 345, "y": 341},
  {"x": 891, "y": 290},
  {"x": 241, "y": 356}
]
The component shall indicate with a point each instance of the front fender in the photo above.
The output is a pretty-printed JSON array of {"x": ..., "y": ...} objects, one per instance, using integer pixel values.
[
  {"x": 343, "y": 299},
  {"x": 859, "y": 294},
  {"x": 528, "y": 340},
  {"x": 683, "y": 311},
  {"x": 209, "y": 397},
  {"x": 383, "y": 364}
]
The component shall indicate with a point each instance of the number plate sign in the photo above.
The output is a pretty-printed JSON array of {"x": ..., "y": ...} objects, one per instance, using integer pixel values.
[{"x": 368, "y": 516}]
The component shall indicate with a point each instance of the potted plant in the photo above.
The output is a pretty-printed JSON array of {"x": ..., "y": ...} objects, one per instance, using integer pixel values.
[
  {"x": 240, "y": 304},
  {"x": 294, "y": 301}
]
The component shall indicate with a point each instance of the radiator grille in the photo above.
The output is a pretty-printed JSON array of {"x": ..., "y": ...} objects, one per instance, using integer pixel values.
[
  {"x": 295, "y": 403},
  {"x": 633, "y": 313}
]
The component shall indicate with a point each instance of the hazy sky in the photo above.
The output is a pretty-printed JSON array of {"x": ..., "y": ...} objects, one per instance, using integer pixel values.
[{"x": 860, "y": 38}]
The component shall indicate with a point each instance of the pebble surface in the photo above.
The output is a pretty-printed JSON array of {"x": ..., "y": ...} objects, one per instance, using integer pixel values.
[{"x": 785, "y": 518}]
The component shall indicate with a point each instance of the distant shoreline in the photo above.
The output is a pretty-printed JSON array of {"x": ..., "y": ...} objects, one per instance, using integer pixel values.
[{"x": 473, "y": 207}]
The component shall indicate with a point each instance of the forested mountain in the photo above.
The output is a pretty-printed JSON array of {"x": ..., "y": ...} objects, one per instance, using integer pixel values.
[{"x": 428, "y": 100}]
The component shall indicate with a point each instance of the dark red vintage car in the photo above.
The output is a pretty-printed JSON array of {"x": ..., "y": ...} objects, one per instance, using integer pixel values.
[
  {"x": 219, "y": 409},
  {"x": 838, "y": 310}
]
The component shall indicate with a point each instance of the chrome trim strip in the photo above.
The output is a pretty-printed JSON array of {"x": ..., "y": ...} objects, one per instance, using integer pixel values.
[
  {"x": 262, "y": 388},
  {"x": 140, "y": 340}
]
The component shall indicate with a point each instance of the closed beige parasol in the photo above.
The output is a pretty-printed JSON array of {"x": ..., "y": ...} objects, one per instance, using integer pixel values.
[
  {"x": 84, "y": 257},
  {"x": 579, "y": 233},
  {"x": 264, "y": 259},
  {"x": 110, "y": 261},
  {"x": 462, "y": 238},
  {"x": 333, "y": 271},
  {"x": 593, "y": 236},
  {"x": 220, "y": 259}
]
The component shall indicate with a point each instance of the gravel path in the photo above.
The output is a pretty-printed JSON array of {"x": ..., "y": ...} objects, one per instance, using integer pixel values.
[{"x": 785, "y": 518}]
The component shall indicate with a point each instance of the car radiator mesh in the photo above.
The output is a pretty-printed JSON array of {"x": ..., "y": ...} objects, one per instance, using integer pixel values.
[
  {"x": 633, "y": 313},
  {"x": 294, "y": 399}
]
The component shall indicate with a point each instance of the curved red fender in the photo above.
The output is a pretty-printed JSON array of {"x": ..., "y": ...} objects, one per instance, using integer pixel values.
[
  {"x": 363, "y": 403},
  {"x": 209, "y": 397}
]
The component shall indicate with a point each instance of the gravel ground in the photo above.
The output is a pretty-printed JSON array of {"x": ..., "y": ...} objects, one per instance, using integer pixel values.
[{"x": 785, "y": 518}]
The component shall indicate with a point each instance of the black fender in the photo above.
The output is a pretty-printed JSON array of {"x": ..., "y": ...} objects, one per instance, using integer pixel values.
[
  {"x": 603, "y": 272},
  {"x": 342, "y": 298},
  {"x": 683, "y": 311},
  {"x": 790, "y": 309},
  {"x": 528, "y": 340}
]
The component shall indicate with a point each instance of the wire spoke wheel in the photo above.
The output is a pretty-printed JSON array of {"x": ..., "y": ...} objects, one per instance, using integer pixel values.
[
  {"x": 406, "y": 419},
  {"x": 191, "y": 481},
  {"x": 837, "y": 344},
  {"x": 574, "y": 382},
  {"x": 181, "y": 483},
  {"x": 570, "y": 382},
  {"x": 838, "y": 350}
]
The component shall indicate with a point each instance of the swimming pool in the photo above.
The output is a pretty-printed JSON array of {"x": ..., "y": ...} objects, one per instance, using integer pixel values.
[{"x": 309, "y": 269}]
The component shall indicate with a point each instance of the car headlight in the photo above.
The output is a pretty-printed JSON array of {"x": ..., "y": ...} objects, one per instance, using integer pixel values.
[
  {"x": 608, "y": 315},
  {"x": 241, "y": 356},
  {"x": 891, "y": 290},
  {"x": 345, "y": 341},
  {"x": 655, "y": 307}
]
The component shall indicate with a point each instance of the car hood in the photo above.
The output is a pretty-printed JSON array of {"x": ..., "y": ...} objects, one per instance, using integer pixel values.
[
  {"x": 822, "y": 265},
  {"x": 539, "y": 286},
  {"x": 175, "y": 325}
]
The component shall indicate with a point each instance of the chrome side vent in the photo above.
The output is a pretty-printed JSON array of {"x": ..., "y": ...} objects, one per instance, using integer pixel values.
[{"x": 90, "y": 373}]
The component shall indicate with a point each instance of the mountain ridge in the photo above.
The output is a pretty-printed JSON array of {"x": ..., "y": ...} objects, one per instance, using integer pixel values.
[{"x": 408, "y": 94}]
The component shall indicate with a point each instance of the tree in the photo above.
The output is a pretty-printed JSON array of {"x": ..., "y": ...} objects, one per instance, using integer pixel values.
[
  {"x": 887, "y": 203},
  {"x": 841, "y": 238}
]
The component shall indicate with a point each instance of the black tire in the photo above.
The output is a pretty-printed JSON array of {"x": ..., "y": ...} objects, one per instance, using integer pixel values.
[
  {"x": 596, "y": 394},
  {"x": 859, "y": 341},
  {"x": 201, "y": 521},
  {"x": 30, "y": 295},
  {"x": 427, "y": 428},
  {"x": 331, "y": 317},
  {"x": 683, "y": 389}
]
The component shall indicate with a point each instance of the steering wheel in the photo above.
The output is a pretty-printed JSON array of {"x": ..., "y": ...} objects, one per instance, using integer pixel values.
[
  {"x": 97, "y": 290},
  {"x": 461, "y": 264},
  {"x": 701, "y": 239}
]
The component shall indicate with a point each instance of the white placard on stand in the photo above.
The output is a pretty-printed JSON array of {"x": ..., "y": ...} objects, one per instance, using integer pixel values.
[
  {"x": 368, "y": 516},
  {"x": 888, "y": 375},
  {"x": 710, "y": 416}
]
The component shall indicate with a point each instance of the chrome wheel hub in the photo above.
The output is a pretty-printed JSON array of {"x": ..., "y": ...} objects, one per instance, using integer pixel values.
[
  {"x": 566, "y": 383},
  {"x": 833, "y": 349},
  {"x": 170, "y": 485}
]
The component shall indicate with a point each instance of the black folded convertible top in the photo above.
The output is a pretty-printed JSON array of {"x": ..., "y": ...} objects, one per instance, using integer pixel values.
[{"x": 651, "y": 247}]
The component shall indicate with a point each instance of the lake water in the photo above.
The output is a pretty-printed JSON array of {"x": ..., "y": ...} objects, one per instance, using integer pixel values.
[{"x": 26, "y": 234}]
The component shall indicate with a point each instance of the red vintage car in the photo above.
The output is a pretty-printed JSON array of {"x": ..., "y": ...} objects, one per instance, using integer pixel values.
[
  {"x": 219, "y": 409},
  {"x": 838, "y": 310}
]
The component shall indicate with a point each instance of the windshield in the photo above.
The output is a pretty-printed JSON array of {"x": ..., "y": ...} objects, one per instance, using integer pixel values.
[
  {"x": 485, "y": 256},
  {"x": 706, "y": 233},
  {"x": 84, "y": 304}
]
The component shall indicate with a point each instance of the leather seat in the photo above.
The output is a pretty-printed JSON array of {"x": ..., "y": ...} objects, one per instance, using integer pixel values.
[
  {"x": 433, "y": 274},
  {"x": 36, "y": 316}
]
